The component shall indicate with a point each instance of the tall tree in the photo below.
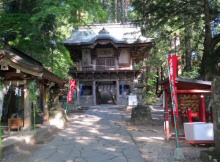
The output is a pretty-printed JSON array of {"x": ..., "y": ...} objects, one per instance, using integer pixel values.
[
  {"x": 191, "y": 20},
  {"x": 38, "y": 27}
]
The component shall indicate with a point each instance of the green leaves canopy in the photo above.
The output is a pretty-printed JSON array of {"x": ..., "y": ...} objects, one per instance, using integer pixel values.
[
  {"x": 192, "y": 21},
  {"x": 31, "y": 26}
]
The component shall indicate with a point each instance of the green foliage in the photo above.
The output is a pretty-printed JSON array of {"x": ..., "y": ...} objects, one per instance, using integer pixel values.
[
  {"x": 150, "y": 97},
  {"x": 31, "y": 26},
  {"x": 1, "y": 84},
  {"x": 194, "y": 73},
  {"x": 188, "y": 21},
  {"x": 33, "y": 91}
]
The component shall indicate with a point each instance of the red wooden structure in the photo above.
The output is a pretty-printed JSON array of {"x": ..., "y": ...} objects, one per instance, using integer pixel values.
[{"x": 190, "y": 99}]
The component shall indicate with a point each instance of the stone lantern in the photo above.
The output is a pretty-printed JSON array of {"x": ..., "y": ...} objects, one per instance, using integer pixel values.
[
  {"x": 140, "y": 88},
  {"x": 141, "y": 113}
]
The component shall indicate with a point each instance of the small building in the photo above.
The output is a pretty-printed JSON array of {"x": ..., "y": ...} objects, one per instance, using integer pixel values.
[
  {"x": 193, "y": 98},
  {"x": 105, "y": 56},
  {"x": 18, "y": 71}
]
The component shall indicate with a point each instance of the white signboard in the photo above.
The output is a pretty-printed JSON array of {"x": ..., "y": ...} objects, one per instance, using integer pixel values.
[
  {"x": 132, "y": 100},
  {"x": 124, "y": 56}
]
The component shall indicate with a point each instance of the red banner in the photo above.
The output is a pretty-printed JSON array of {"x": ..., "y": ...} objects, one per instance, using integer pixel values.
[
  {"x": 71, "y": 91},
  {"x": 69, "y": 96},
  {"x": 173, "y": 67},
  {"x": 72, "y": 85}
]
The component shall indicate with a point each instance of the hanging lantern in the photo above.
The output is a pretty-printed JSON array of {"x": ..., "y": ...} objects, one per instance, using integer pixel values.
[{"x": 69, "y": 96}]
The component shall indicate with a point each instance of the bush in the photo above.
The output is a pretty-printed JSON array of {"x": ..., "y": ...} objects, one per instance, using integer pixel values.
[{"x": 150, "y": 98}]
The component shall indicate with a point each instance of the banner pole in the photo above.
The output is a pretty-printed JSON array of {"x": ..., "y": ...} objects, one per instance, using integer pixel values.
[{"x": 172, "y": 70}]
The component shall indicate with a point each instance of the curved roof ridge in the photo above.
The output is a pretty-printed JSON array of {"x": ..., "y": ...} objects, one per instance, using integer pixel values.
[{"x": 118, "y": 35}]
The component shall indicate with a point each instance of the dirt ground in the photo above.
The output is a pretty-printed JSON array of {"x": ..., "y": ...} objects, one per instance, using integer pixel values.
[{"x": 150, "y": 139}]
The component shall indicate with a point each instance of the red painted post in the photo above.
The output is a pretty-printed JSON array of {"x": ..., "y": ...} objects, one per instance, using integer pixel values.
[
  {"x": 202, "y": 112},
  {"x": 190, "y": 115},
  {"x": 211, "y": 115}
]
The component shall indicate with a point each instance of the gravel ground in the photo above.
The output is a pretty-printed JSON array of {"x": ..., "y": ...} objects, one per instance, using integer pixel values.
[{"x": 150, "y": 139}]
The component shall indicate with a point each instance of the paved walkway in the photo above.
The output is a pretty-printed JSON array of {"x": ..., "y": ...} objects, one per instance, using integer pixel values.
[{"x": 99, "y": 135}]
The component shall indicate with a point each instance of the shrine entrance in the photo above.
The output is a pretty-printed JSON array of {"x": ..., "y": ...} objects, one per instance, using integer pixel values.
[{"x": 106, "y": 92}]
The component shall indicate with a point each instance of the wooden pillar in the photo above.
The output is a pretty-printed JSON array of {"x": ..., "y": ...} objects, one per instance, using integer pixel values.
[
  {"x": 116, "y": 63},
  {"x": 94, "y": 64},
  {"x": 27, "y": 109},
  {"x": 45, "y": 105},
  {"x": 131, "y": 64},
  {"x": 117, "y": 90},
  {"x": 94, "y": 92},
  {"x": 80, "y": 65},
  {"x": 202, "y": 109}
]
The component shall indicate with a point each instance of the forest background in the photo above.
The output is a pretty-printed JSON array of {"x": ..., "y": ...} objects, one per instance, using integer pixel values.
[{"x": 190, "y": 28}]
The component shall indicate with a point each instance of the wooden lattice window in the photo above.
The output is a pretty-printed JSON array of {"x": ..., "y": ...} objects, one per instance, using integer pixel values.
[{"x": 105, "y": 63}]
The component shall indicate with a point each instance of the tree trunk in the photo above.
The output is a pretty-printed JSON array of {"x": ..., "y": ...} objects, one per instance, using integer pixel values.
[
  {"x": 188, "y": 49},
  {"x": 205, "y": 67}
]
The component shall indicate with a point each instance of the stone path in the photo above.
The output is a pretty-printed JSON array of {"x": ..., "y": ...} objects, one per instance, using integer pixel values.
[{"x": 99, "y": 135}]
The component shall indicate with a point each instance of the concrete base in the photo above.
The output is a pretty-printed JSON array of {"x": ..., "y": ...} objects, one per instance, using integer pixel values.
[{"x": 178, "y": 154}]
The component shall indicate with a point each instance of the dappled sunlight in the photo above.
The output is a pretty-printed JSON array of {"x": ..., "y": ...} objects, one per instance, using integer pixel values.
[
  {"x": 150, "y": 139},
  {"x": 94, "y": 131},
  {"x": 158, "y": 138},
  {"x": 111, "y": 138},
  {"x": 59, "y": 123},
  {"x": 142, "y": 138},
  {"x": 28, "y": 139}
]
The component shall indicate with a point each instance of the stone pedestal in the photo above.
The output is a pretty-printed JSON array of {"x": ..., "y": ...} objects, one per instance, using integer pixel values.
[{"x": 141, "y": 115}]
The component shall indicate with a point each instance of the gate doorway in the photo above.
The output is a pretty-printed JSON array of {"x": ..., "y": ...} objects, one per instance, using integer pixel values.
[{"x": 106, "y": 92}]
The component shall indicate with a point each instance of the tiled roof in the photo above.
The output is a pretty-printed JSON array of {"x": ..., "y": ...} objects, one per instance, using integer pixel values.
[
  {"x": 119, "y": 34},
  {"x": 21, "y": 61}
]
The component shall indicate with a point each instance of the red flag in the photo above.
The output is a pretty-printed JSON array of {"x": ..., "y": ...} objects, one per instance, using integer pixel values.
[
  {"x": 69, "y": 96},
  {"x": 72, "y": 85},
  {"x": 173, "y": 65},
  {"x": 71, "y": 90}
]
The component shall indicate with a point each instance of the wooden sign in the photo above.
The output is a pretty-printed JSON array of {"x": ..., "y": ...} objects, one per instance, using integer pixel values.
[
  {"x": 86, "y": 57},
  {"x": 105, "y": 52}
]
